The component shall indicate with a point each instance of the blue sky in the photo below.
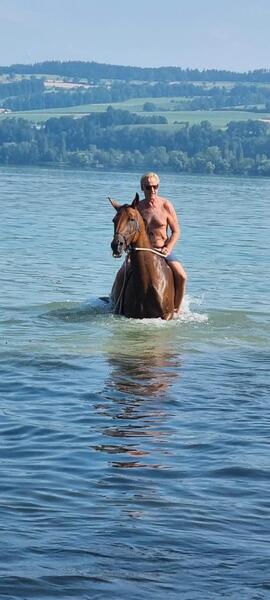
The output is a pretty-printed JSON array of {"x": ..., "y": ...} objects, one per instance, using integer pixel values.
[{"x": 230, "y": 34}]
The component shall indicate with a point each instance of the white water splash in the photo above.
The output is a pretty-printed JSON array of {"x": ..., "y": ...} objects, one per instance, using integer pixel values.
[{"x": 189, "y": 316}]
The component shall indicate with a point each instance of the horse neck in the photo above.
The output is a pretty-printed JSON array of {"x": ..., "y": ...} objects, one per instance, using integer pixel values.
[
  {"x": 142, "y": 240},
  {"x": 143, "y": 262}
]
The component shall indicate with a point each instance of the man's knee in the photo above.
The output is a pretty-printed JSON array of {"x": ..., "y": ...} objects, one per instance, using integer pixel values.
[
  {"x": 182, "y": 273},
  {"x": 178, "y": 270}
]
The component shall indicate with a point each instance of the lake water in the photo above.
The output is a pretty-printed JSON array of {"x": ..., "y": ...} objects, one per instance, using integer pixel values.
[{"x": 134, "y": 455}]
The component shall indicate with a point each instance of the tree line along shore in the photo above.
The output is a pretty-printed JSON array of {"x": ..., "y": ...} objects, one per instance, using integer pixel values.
[{"x": 153, "y": 134}]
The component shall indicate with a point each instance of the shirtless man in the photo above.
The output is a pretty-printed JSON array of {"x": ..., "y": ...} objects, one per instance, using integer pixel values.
[{"x": 163, "y": 230}]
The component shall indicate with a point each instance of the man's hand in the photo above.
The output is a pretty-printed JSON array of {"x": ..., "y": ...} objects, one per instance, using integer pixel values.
[{"x": 164, "y": 250}]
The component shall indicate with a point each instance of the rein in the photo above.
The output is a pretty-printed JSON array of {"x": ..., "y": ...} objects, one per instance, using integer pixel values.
[
  {"x": 151, "y": 250},
  {"x": 120, "y": 297}
]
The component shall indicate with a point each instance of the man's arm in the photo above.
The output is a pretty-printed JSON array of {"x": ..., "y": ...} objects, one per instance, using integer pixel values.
[{"x": 174, "y": 226}]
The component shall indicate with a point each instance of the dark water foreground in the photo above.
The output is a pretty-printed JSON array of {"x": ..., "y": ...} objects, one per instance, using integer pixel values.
[
  {"x": 134, "y": 456},
  {"x": 137, "y": 469}
]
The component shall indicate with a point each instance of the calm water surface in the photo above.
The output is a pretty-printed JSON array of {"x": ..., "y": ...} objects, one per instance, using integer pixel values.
[{"x": 134, "y": 454}]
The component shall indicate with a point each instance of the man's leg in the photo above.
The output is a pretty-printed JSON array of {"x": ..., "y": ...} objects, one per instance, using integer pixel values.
[{"x": 180, "y": 278}]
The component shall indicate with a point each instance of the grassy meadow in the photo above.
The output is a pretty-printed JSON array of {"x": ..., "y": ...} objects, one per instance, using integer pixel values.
[
  {"x": 175, "y": 118},
  {"x": 165, "y": 106}
]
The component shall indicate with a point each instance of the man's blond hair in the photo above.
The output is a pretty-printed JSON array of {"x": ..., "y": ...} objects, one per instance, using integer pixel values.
[{"x": 147, "y": 175}]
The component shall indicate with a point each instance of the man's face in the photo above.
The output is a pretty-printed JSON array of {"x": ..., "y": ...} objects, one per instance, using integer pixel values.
[{"x": 150, "y": 188}]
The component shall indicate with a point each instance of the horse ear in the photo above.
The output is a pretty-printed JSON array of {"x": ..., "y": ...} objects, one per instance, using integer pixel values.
[
  {"x": 135, "y": 202},
  {"x": 114, "y": 203}
]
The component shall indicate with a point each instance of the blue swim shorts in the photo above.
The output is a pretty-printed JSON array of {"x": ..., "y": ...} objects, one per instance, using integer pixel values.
[{"x": 171, "y": 257}]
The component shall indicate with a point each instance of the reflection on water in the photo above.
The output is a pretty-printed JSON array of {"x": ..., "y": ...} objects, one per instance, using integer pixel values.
[
  {"x": 137, "y": 395},
  {"x": 143, "y": 377},
  {"x": 143, "y": 362}
]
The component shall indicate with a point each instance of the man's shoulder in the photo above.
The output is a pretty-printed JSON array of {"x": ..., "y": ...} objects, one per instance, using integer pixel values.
[
  {"x": 166, "y": 204},
  {"x": 163, "y": 203}
]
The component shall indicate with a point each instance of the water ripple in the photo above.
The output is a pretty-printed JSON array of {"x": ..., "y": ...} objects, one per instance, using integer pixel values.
[{"x": 134, "y": 455}]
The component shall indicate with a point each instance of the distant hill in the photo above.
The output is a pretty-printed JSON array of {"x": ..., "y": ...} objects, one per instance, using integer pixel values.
[{"x": 97, "y": 71}]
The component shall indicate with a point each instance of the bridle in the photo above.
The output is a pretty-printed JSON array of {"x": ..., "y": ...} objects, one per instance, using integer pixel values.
[{"x": 125, "y": 238}]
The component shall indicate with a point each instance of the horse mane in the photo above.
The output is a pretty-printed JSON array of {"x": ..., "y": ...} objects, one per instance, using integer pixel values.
[{"x": 145, "y": 224}]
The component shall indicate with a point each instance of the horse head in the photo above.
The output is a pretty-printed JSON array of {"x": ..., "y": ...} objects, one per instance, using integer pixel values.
[{"x": 127, "y": 226}]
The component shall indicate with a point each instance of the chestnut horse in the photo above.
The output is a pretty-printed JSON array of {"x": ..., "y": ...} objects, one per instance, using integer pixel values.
[{"x": 144, "y": 287}]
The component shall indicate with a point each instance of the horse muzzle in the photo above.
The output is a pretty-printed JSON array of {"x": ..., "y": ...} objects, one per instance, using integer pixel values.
[{"x": 118, "y": 245}]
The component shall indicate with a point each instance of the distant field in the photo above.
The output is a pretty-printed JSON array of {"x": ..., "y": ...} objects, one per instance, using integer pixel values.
[
  {"x": 218, "y": 118},
  {"x": 5, "y": 78},
  {"x": 48, "y": 78},
  {"x": 63, "y": 85}
]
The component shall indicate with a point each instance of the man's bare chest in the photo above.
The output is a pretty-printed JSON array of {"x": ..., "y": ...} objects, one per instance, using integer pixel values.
[{"x": 155, "y": 218}]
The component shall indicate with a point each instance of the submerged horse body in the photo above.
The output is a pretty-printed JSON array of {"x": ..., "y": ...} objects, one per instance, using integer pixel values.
[{"x": 145, "y": 288}]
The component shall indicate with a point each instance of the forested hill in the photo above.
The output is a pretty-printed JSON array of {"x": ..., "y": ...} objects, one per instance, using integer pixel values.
[
  {"x": 96, "y": 71},
  {"x": 121, "y": 140}
]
